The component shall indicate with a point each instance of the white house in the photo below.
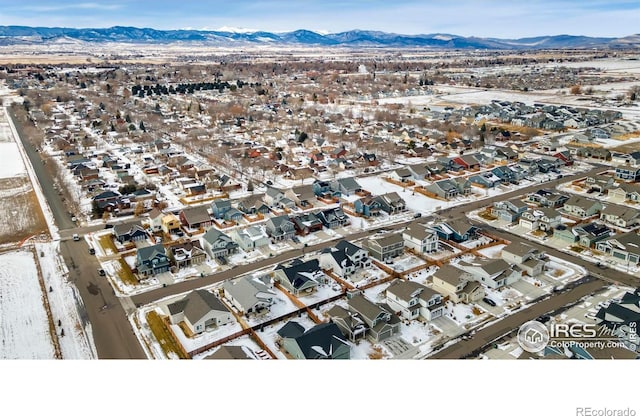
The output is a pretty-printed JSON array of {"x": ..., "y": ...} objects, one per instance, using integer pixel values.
[
  {"x": 413, "y": 300},
  {"x": 200, "y": 310},
  {"x": 494, "y": 273},
  {"x": 420, "y": 239},
  {"x": 250, "y": 295}
]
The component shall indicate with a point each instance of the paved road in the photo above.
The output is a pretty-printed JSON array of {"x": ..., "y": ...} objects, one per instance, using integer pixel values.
[
  {"x": 489, "y": 334},
  {"x": 45, "y": 177},
  {"x": 112, "y": 332}
]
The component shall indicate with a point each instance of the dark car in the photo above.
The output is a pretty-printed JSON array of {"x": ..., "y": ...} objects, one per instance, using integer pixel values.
[
  {"x": 601, "y": 265},
  {"x": 108, "y": 226},
  {"x": 543, "y": 319},
  {"x": 92, "y": 251},
  {"x": 101, "y": 272},
  {"x": 489, "y": 301}
]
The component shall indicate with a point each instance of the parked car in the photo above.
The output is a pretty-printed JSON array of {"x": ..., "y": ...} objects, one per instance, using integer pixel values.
[
  {"x": 101, "y": 272},
  {"x": 489, "y": 301},
  {"x": 108, "y": 226},
  {"x": 601, "y": 265},
  {"x": 543, "y": 319},
  {"x": 417, "y": 215},
  {"x": 92, "y": 251},
  {"x": 76, "y": 237}
]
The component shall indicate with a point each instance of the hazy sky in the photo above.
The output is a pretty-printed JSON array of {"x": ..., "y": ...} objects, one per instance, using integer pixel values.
[{"x": 486, "y": 18}]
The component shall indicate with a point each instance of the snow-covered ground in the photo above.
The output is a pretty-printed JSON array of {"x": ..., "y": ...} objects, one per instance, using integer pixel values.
[
  {"x": 11, "y": 161},
  {"x": 24, "y": 323}
]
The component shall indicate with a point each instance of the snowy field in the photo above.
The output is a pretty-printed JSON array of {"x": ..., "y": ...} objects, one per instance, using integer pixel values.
[
  {"x": 11, "y": 161},
  {"x": 24, "y": 323}
]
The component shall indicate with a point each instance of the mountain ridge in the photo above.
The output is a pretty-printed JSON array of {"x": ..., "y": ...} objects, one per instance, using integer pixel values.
[{"x": 353, "y": 38}]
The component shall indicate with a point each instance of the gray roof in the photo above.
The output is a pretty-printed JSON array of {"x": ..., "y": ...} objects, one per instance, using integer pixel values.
[
  {"x": 450, "y": 274},
  {"x": 231, "y": 352},
  {"x": 626, "y": 213},
  {"x": 212, "y": 235},
  {"x": 365, "y": 307},
  {"x": 489, "y": 266},
  {"x": 246, "y": 290},
  {"x": 407, "y": 290},
  {"x": 196, "y": 215},
  {"x": 349, "y": 183},
  {"x": 518, "y": 248},
  {"x": 388, "y": 240},
  {"x": 149, "y": 252},
  {"x": 197, "y": 304},
  {"x": 419, "y": 232}
]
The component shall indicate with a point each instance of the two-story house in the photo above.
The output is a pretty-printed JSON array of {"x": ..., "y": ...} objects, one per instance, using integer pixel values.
[
  {"x": 457, "y": 285},
  {"x": 381, "y": 322},
  {"x": 298, "y": 277},
  {"x": 280, "y": 228},
  {"x": 387, "y": 247},
  {"x": 152, "y": 260},
  {"x": 421, "y": 239},
  {"x": 413, "y": 300},
  {"x": 217, "y": 244}
]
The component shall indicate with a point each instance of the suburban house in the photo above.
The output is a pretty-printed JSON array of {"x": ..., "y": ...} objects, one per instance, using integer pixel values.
[
  {"x": 547, "y": 198},
  {"x": 467, "y": 161},
  {"x": 250, "y": 238},
  {"x": 599, "y": 183},
  {"x": 381, "y": 323},
  {"x": 457, "y": 285},
  {"x": 494, "y": 273},
  {"x": 233, "y": 352},
  {"x": 625, "y": 192},
  {"x": 445, "y": 189},
  {"x": 253, "y": 205},
  {"x": 303, "y": 196},
  {"x": 152, "y": 260},
  {"x": 217, "y": 244},
  {"x": 419, "y": 171},
  {"x": 280, "y": 228},
  {"x": 195, "y": 217},
  {"x": 219, "y": 207},
  {"x": 421, "y": 239},
  {"x": 545, "y": 219},
  {"x": 624, "y": 248},
  {"x": 622, "y": 317},
  {"x": 368, "y": 206},
  {"x": 200, "y": 310},
  {"x": 324, "y": 189},
  {"x": 485, "y": 180},
  {"x": 154, "y": 220},
  {"x": 299, "y": 278},
  {"x": 621, "y": 216},
  {"x": 306, "y": 223},
  {"x": 386, "y": 247},
  {"x": 131, "y": 232},
  {"x": 170, "y": 224},
  {"x": 344, "y": 259},
  {"x": 351, "y": 326},
  {"x": 323, "y": 341},
  {"x": 413, "y": 300},
  {"x": 528, "y": 258},
  {"x": 187, "y": 254},
  {"x": 628, "y": 173},
  {"x": 273, "y": 197},
  {"x": 509, "y": 210},
  {"x": 391, "y": 203},
  {"x": 589, "y": 234},
  {"x": 249, "y": 294},
  {"x": 401, "y": 175},
  {"x": 458, "y": 230},
  {"x": 581, "y": 207},
  {"x": 333, "y": 218}
]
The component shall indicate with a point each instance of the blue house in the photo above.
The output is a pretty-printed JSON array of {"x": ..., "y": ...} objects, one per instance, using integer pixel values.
[
  {"x": 368, "y": 206},
  {"x": 152, "y": 260},
  {"x": 323, "y": 189},
  {"x": 219, "y": 208},
  {"x": 628, "y": 173},
  {"x": 455, "y": 230}
]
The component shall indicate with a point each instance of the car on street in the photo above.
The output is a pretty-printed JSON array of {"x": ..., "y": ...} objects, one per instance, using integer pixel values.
[
  {"x": 601, "y": 265},
  {"x": 76, "y": 237},
  {"x": 101, "y": 272},
  {"x": 92, "y": 251},
  {"x": 489, "y": 301},
  {"x": 543, "y": 319}
]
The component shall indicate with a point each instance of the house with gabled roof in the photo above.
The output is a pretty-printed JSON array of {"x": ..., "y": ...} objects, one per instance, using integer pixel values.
[
  {"x": 345, "y": 186},
  {"x": 217, "y": 244},
  {"x": 620, "y": 216},
  {"x": 368, "y": 206},
  {"x": 456, "y": 284},
  {"x": 253, "y": 204},
  {"x": 323, "y": 341},
  {"x": 187, "y": 254},
  {"x": 219, "y": 207},
  {"x": 351, "y": 326},
  {"x": 457, "y": 230},
  {"x": 195, "y": 217},
  {"x": 494, "y": 273},
  {"x": 298, "y": 277},
  {"x": 200, "y": 310},
  {"x": 625, "y": 192},
  {"x": 273, "y": 197},
  {"x": 152, "y": 260},
  {"x": 526, "y": 257},
  {"x": 250, "y": 238},
  {"x": 589, "y": 234},
  {"x": 280, "y": 228},
  {"x": 401, "y": 175},
  {"x": 624, "y": 248},
  {"x": 306, "y": 223},
  {"x": 333, "y": 218},
  {"x": 303, "y": 196},
  {"x": 412, "y": 300},
  {"x": 386, "y": 247},
  {"x": 444, "y": 188},
  {"x": 421, "y": 239},
  {"x": 129, "y": 232},
  {"x": 580, "y": 207},
  {"x": 628, "y": 173},
  {"x": 545, "y": 219},
  {"x": 510, "y": 210},
  {"x": 250, "y": 294},
  {"x": 391, "y": 203},
  {"x": 547, "y": 198},
  {"x": 381, "y": 323},
  {"x": 467, "y": 161}
]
